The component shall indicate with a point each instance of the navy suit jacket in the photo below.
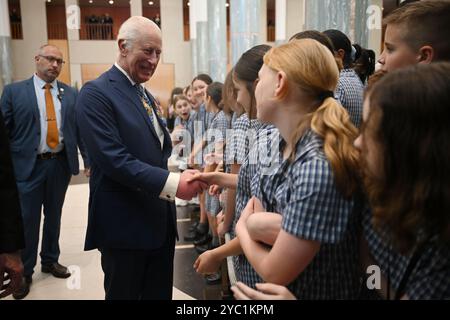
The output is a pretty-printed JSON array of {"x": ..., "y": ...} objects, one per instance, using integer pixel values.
[
  {"x": 129, "y": 169},
  {"x": 21, "y": 115}
]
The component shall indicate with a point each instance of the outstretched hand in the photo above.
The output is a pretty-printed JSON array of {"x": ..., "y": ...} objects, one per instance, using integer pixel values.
[
  {"x": 188, "y": 188},
  {"x": 209, "y": 178}
]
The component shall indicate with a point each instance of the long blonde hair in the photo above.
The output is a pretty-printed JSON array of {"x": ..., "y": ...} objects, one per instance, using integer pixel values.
[{"x": 311, "y": 68}]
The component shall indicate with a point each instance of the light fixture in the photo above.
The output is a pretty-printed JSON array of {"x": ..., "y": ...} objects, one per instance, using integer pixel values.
[
  {"x": 49, "y": 1},
  {"x": 150, "y": 3},
  {"x": 111, "y": 2},
  {"x": 188, "y": 4},
  {"x": 90, "y": 1},
  {"x": 227, "y": 4}
]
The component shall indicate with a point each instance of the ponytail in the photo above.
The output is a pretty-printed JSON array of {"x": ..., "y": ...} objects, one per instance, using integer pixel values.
[{"x": 332, "y": 123}]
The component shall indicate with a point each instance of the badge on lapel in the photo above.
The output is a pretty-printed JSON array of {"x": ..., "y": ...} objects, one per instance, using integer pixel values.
[{"x": 60, "y": 93}]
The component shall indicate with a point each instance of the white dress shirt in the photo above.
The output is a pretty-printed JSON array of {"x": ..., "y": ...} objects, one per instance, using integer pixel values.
[
  {"x": 40, "y": 97},
  {"x": 170, "y": 188}
]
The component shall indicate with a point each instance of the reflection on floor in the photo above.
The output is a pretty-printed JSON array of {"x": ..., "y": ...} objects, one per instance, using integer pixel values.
[{"x": 86, "y": 282}]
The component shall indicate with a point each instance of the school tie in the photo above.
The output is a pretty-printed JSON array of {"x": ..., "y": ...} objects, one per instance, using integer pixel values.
[
  {"x": 145, "y": 101},
  {"x": 52, "y": 128}
]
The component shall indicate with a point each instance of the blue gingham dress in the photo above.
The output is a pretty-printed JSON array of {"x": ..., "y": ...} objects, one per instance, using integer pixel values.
[
  {"x": 350, "y": 93},
  {"x": 429, "y": 279},
  {"x": 264, "y": 139},
  {"x": 199, "y": 122},
  {"x": 221, "y": 123},
  {"x": 305, "y": 193}
]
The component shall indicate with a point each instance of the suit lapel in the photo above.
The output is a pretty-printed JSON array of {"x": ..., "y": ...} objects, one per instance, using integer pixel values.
[
  {"x": 167, "y": 140},
  {"x": 123, "y": 85},
  {"x": 33, "y": 101}
]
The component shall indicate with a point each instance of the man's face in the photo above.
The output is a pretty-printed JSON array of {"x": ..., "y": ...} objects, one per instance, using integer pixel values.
[
  {"x": 142, "y": 58},
  {"x": 397, "y": 53},
  {"x": 49, "y": 63}
]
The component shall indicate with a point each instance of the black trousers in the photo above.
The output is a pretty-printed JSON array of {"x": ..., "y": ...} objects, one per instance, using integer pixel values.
[{"x": 138, "y": 274}]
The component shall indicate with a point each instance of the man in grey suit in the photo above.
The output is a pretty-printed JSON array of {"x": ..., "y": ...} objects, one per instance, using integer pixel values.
[{"x": 40, "y": 119}]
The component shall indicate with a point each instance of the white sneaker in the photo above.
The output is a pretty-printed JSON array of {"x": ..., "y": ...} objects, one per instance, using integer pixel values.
[
  {"x": 194, "y": 201},
  {"x": 180, "y": 202}
]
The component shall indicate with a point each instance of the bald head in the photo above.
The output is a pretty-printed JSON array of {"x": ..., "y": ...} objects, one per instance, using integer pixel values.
[
  {"x": 139, "y": 42},
  {"x": 46, "y": 48},
  {"x": 136, "y": 28}
]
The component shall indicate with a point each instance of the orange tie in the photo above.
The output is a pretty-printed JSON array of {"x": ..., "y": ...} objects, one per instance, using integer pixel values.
[{"x": 52, "y": 128}]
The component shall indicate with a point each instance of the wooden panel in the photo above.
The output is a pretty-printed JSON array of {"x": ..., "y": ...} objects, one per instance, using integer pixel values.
[
  {"x": 93, "y": 71},
  {"x": 63, "y": 45},
  {"x": 160, "y": 85}
]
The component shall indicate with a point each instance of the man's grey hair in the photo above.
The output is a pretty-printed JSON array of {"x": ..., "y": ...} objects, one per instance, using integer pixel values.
[
  {"x": 41, "y": 48},
  {"x": 133, "y": 28}
]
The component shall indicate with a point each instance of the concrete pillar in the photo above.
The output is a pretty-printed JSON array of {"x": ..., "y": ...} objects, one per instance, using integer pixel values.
[
  {"x": 34, "y": 28},
  {"x": 245, "y": 23},
  {"x": 280, "y": 21},
  {"x": 136, "y": 7},
  {"x": 175, "y": 49},
  {"x": 295, "y": 17},
  {"x": 73, "y": 19},
  {"x": 217, "y": 28}
]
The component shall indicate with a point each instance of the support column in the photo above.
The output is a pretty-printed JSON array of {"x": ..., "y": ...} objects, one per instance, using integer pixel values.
[
  {"x": 244, "y": 24},
  {"x": 34, "y": 27},
  {"x": 328, "y": 14},
  {"x": 202, "y": 36},
  {"x": 73, "y": 19},
  {"x": 280, "y": 22},
  {"x": 136, "y": 7},
  {"x": 5, "y": 46},
  {"x": 217, "y": 27},
  {"x": 295, "y": 17},
  {"x": 263, "y": 21},
  {"x": 175, "y": 50},
  {"x": 374, "y": 25},
  {"x": 198, "y": 14}
]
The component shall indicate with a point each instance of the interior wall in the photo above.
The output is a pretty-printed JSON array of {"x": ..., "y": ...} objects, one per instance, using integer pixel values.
[{"x": 63, "y": 45}]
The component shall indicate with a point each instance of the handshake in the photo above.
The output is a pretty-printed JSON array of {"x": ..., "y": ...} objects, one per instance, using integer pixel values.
[{"x": 190, "y": 186}]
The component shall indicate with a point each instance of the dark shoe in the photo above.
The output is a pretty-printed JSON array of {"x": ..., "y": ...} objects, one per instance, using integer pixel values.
[
  {"x": 24, "y": 288},
  {"x": 213, "y": 278},
  {"x": 203, "y": 240},
  {"x": 191, "y": 236},
  {"x": 193, "y": 226},
  {"x": 200, "y": 230},
  {"x": 57, "y": 270}
]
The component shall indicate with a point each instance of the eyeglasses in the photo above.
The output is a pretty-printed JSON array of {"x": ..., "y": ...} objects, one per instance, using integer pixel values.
[{"x": 52, "y": 59}]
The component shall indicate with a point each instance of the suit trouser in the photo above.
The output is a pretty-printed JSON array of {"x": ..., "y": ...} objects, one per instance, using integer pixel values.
[
  {"x": 139, "y": 274},
  {"x": 46, "y": 187}
]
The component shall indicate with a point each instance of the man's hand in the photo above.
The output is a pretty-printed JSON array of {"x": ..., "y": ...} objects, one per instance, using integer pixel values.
[
  {"x": 87, "y": 172},
  {"x": 11, "y": 264},
  {"x": 189, "y": 189}
]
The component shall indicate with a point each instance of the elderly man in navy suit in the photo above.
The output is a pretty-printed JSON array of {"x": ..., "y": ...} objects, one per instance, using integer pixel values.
[
  {"x": 132, "y": 216},
  {"x": 40, "y": 119}
]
